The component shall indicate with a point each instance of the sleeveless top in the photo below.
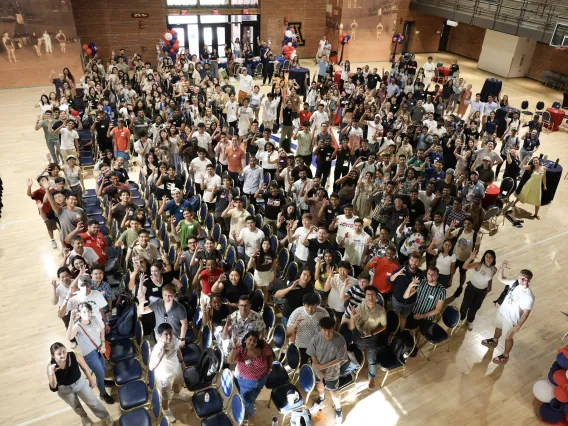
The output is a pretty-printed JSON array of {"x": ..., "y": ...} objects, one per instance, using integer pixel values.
[
  {"x": 72, "y": 175},
  {"x": 70, "y": 374},
  {"x": 480, "y": 279}
]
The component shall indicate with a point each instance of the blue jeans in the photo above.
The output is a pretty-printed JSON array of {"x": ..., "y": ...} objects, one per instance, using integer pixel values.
[
  {"x": 250, "y": 389},
  {"x": 124, "y": 155},
  {"x": 370, "y": 346},
  {"x": 96, "y": 362}
]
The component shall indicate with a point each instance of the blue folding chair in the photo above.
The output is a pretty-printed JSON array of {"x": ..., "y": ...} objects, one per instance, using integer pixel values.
[
  {"x": 257, "y": 301},
  {"x": 274, "y": 243},
  {"x": 166, "y": 242},
  {"x": 206, "y": 337},
  {"x": 283, "y": 259},
  {"x": 172, "y": 254},
  {"x": 369, "y": 231},
  {"x": 184, "y": 284},
  {"x": 90, "y": 193},
  {"x": 216, "y": 232},
  {"x": 222, "y": 242},
  {"x": 218, "y": 398},
  {"x": 249, "y": 282},
  {"x": 127, "y": 348},
  {"x": 91, "y": 202},
  {"x": 132, "y": 369},
  {"x": 94, "y": 210},
  {"x": 436, "y": 335},
  {"x": 278, "y": 339},
  {"x": 230, "y": 258},
  {"x": 240, "y": 266},
  {"x": 267, "y": 230},
  {"x": 279, "y": 395},
  {"x": 140, "y": 416},
  {"x": 292, "y": 361},
  {"x": 269, "y": 319},
  {"x": 251, "y": 209},
  {"x": 209, "y": 223},
  {"x": 163, "y": 231},
  {"x": 292, "y": 272},
  {"x": 258, "y": 219},
  {"x": 235, "y": 415},
  {"x": 202, "y": 213}
]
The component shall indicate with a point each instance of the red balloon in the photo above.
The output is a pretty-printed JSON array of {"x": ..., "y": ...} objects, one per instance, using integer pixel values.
[
  {"x": 293, "y": 30},
  {"x": 394, "y": 40},
  {"x": 560, "y": 377},
  {"x": 176, "y": 44},
  {"x": 172, "y": 51},
  {"x": 89, "y": 51},
  {"x": 85, "y": 47},
  {"x": 173, "y": 32},
  {"x": 402, "y": 37}
]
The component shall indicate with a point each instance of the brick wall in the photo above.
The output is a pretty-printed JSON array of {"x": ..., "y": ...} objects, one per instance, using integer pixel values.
[
  {"x": 108, "y": 23},
  {"x": 466, "y": 40},
  {"x": 311, "y": 13},
  {"x": 547, "y": 58},
  {"x": 429, "y": 28}
]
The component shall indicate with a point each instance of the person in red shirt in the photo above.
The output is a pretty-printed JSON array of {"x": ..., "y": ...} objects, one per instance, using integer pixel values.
[
  {"x": 305, "y": 114},
  {"x": 384, "y": 268},
  {"x": 208, "y": 276},
  {"x": 44, "y": 209},
  {"x": 120, "y": 141},
  {"x": 93, "y": 238}
]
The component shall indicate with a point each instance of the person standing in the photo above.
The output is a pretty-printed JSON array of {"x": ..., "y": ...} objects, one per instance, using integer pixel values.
[
  {"x": 47, "y": 42},
  {"x": 60, "y": 37},
  {"x": 64, "y": 376},
  {"x": 407, "y": 275},
  {"x": 121, "y": 141},
  {"x": 515, "y": 305}
]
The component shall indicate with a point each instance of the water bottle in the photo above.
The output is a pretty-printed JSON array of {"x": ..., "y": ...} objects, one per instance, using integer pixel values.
[
  {"x": 206, "y": 397},
  {"x": 557, "y": 161},
  {"x": 274, "y": 421},
  {"x": 318, "y": 416}
]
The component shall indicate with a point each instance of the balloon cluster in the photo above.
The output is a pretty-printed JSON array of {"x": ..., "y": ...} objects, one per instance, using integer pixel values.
[
  {"x": 397, "y": 38},
  {"x": 344, "y": 39},
  {"x": 170, "y": 42},
  {"x": 553, "y": 393},
  {"x": 289, "y": 43},
  {"x": 90, "y": 49}
]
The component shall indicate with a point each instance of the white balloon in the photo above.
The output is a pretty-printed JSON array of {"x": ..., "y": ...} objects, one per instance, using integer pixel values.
[
  {"x": 289, "y": 33},
  {"x": 543, "y": 390},
  {"x": 168, "y": 36},
  {"x": 289, "y": 43}
]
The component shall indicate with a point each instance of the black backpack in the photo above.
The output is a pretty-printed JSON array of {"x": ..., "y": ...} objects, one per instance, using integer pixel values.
[{"x": 204, "y": 372}]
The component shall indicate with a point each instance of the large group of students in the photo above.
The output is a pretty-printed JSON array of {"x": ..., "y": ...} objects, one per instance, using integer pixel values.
[{"x": 360, "y": 197}]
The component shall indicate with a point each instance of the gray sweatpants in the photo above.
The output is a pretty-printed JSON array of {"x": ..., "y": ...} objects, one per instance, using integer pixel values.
[{"x": 81, "y": 390}]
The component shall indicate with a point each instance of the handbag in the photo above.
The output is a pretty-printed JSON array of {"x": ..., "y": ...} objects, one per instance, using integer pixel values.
[{"x": 106, "y": 355}]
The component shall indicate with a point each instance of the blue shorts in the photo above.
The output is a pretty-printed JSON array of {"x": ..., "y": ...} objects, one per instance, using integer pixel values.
[{"x": 403, "y": 309}]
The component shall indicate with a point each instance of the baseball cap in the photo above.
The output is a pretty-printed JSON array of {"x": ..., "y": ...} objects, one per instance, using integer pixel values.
[
  {"x": 174, "y": 190},
  {"x": 486, "y": 158},
  {"x": 84, "y": 280},
  {"x": 71, "y": 156}
]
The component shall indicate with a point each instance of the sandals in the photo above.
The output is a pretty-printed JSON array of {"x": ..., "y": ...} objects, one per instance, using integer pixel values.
[
  {"x": 490, "y": 342},
  {"x": 501, "y": 359}
]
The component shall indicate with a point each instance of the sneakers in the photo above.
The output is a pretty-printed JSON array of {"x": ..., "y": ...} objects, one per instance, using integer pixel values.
[
  {"x": 109, "y": 420},
  {"x": 317, "y": 404},
  {"x": 168, "y": 413},
  {"x": 371, "y": 384},
  {"x": 470, "y": 326},
  {"x": 86, "y": 421},
  {"x": 458, "y": 292},
  {"x": 73, "y": 345},
  {"x": 107, "y": 398},
  {"x": 338, "y": 416},
  {"x": 181, "y": 396},
  {"x": 109, "y": 383},
  {"x": 53, "y": 244}
]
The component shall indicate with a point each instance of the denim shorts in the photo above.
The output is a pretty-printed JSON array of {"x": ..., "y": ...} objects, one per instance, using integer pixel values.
[{"x": 403, "y": 309}]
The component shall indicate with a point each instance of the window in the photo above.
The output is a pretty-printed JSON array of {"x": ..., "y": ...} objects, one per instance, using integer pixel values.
[
  {"x": 187, "y": 19},
  {"x": 213, "y": 3},
  {"x": 193, "y": 39},
  {"x": 214, "y": 19},
  {"x": 182, "y": 3}
]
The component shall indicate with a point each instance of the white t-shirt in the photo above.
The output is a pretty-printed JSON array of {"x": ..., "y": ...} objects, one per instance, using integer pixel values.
[
  {"x": 210, "y": 182},
  {"x": 355, "y": 247},
  {"x": 95, "y": 299},
  {"x": 90, "y": 256},
  {"x": 245, "y": 115},
  {"x": 427, "y": 200},
  {"x": 372, "y": 127},
  {"x": 199, "y": 168},
  {"x": 302, "y": 252},
  {"x": 337, "y": 286},
  {"x": 517, "y": 301},
  {"x": 231, "y": 111},
  {"x": 251, "y": 240},
  {"x": 245, "y": 83},
  {"x": 238, "y": 220},
  {"x": 344, "y": 225},
  {"x": 203, "y": 140},
  {"x": 68, "y": 138},
  {"x": 169, "y": 366},
  {"x": 444, "y": 263}
]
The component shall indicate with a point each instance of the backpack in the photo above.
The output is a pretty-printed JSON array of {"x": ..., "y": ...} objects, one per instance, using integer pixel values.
[
  {"x": 301, "y": 417},
  {"x": 204, "y": 372},
  {"x": 194, "y": 203}
]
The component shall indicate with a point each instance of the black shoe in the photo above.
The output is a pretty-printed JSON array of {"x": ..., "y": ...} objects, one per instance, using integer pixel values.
[
  {"x": 109, "y": 383},
  {"x": 317, "y": 404},
  {"x": 458, "y": 292},
  {"x": 107, "y": 398}
]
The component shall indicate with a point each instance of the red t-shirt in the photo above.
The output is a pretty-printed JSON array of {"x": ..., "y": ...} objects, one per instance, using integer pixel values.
[
  {"x": 121, "y": 138},
  {"x": 304, "y": 116},
  {"x": 38, "y": 195},
  {"x": 383, "y": 270},
  {"x": 209, "y": 278},
  {"x": 98, "y": 244}
]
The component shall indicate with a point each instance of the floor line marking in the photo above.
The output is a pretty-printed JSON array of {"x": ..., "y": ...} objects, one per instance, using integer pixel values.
[
  {"x": 46, "y": 416},
  {"x": 535, "y": 243}
]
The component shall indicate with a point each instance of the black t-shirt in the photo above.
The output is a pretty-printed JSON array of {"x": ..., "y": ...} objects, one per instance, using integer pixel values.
[
  {"x": 323, "y": 155},
  {"x": 343, "y": 158},
  {"x": 287, "y": 116},
  {"x": 273, "y": 205},
  {"x": 512, "y": 170},
  {"x": 315, "y": 249},
  {"x": 219, "y": 317},
  {"x": 403, "y": 281},
  {"x": 372, "y": 80},
  {"x": 416, "y": 210},
  {"x": 233, "y": 292},
  {"x": 294, "y": 299},
  {"x": 119, "y": 211},
  {"x": 202, "y": 255},
  {"x": 411, "y": 67},
  {"x": 101, "y": 129},
  {"x": 296, "y": 173},
  {"x": 153, "y": 290},
  {"x": 169, "y": 184},
  {"x": 70, "y": 374},
  {"x": 265, "y": 261},
  {"x": 224, "y": 197},
  {"x": 331, "y": 213}
]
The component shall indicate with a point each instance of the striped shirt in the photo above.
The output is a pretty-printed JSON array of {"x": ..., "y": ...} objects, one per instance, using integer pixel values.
[
  {"x": 356, "y": 297},
  {"x": 427, "y": 297}
]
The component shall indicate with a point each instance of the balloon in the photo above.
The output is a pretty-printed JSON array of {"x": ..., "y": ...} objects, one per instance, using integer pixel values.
[
  {"x": 561, "y": 392},
  {"x": 543, "y": 390},
  {"x": 402, "y": 37},
  {"x": 293, "y": 30},
  {"x": 89, "y": 51},
  {"x": 549, "y": 415},
  {"x": 85, "y": 47},
  {"x": 559, "y": 377},
  {"x": 289, "y": 44},
  {"x": 168, "y": 36},
  {"x": 289, "y": 33},
  {"x": 562, "y": 361},
  {"x": 172, "y": 51},
  {"x": 173, "y": 32}
]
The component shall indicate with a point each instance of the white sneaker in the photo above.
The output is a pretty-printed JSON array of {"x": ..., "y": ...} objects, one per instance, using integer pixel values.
[
  {"x": 86, "y": 421},
  {"x": 109, "y": 420},
  {"x": 73, "y": 345},
  {"x": 338, "y": 417},
  {"x": 181, "y": 396},
  {"x": 470, "y": 326},
  {"x": 168, "y": 413},
  {"x": 53, "y": 244}
]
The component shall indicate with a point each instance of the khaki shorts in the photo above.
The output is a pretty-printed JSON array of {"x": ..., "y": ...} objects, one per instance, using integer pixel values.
[
  {"x": 67, "y": 152},
  {"x": 505, "y": 325},
  {"x": 165, "y": 386}
]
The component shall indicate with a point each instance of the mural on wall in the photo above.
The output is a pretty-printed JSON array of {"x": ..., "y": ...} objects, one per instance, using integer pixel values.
[
  {"x": 38, "y": 37},
  {"x": 369, "y": 23}
]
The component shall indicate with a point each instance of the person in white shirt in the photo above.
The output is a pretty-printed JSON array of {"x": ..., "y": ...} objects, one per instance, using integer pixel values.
[
  {"x": 245, "y": 85},
  {"x": 246, "y": 116},
  {"x": 429, "y": 71},
  {"x": 515, "y": 305},
  {"x": 427, "y": 196},
  {"x": 91, "y": 257},
  {"x": 488, "y": 108},
  {"x": 95, "y": 298},
  {"x": 232, "y": 107},
  {"x": 269, "y": 109},
  {"x": 299, "y": 190},
  {"x": 166, "y": 361},
  {"x": 251, "y": 237},
  {"x": 355, "y": 244},
  {"x": 345, "y": 222},
  {"x": 198, "y": 166},
  {"x": 203, "y": 138},
  {"x": 373, "y": 126},
  {"x": 252, "y": 177},
  {"x": 318, "y": 118},
  {"x": 294, "y": 236},
  {"x": 210, "y": 183},
  {"x": 321, "y": 47},
  {"x": 428, "y": 105},
  {"x": 69, "y": 139},
  {"x": 475, "y": 106}
]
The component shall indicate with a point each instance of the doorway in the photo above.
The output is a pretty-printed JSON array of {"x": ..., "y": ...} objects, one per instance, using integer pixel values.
[
  {"x": 408, "y": 33},
  {"x": 444, "y": 38},
  {"x": 249, "y": 33},
  {"x": 215, "y": 36}
]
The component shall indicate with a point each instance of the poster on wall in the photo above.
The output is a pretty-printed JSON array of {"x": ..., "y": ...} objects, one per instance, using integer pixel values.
[
  {"x": 38, "y": 40},
  {"x": 369, "y": 23}
]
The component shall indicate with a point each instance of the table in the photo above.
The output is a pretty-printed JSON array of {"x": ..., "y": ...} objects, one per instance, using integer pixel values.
[
  {"x": 444, "y": 71},
  {"x": 556, "y": 116},
  {"x": 491, "y": 195},
  {"x": 299, "y": 74},
  {"x": 280, "y": 59}
]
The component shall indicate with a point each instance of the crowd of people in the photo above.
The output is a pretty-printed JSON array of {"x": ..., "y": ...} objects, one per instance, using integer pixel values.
[{"x": 374, "y": 184}]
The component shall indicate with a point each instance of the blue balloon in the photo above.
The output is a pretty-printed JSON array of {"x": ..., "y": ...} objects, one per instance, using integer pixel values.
[{"x": 165, "y": 48}]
